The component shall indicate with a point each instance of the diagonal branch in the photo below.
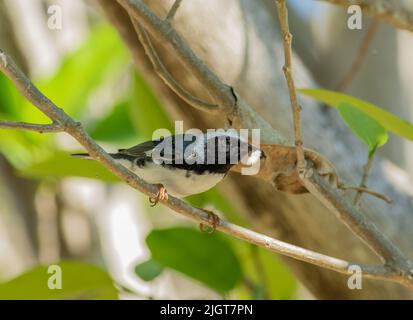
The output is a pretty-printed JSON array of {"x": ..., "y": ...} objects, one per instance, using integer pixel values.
[
  {"x": 359, "y": 223},
  {"x": 73, "y": 128},
  {"x": 174, "y": 9},
  {"x": 163, "y": 73},
  {"x": 240, "y": 114}
]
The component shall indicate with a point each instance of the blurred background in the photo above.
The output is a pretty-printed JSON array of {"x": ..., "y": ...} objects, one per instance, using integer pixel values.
[{"x": 112, "y": 243}]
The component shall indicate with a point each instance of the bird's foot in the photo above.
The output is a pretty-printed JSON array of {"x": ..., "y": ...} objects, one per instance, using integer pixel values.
[
  {"x": 213, "y": 218},
  {"x": 160, "y": 196}
]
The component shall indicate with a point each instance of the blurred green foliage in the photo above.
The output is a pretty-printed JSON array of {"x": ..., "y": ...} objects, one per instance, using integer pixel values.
[
  {"x": 207, "y": 258},
  {"x": 61, "y": 164},
  {"x": 221, "y": 263},
  {"x": 79, "y": 75},
  {"x": 149, "y": 270},
  {"x": 146, "y": 110},
  {"x": 78, "y": 281},
  {"x": 117, "y": 127},
  {"x": 98, "y": 59}
]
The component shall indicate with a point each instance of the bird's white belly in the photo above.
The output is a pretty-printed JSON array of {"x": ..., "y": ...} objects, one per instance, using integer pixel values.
[{"x": 176, "y": 181}]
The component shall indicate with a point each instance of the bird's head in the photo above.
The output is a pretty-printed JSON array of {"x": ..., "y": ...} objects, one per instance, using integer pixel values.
[{"x": 229, "y": 147}]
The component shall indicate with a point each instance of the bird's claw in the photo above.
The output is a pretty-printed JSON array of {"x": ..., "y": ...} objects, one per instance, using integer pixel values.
[
  {"x": 213, "y": 218},
  {"x": 160, "y": 196}
]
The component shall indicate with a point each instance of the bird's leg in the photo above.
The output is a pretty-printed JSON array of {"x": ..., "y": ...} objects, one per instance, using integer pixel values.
[
  {"x": 214, "y": 222},
  {"x": 160, "y": 196}
]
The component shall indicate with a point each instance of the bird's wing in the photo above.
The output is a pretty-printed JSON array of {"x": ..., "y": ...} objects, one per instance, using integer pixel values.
[
  {"x": 169, "y": 149},
  {"x": 142, "y": 150}
]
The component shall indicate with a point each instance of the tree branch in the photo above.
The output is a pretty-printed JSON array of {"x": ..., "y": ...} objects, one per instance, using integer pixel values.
[
  {"x": 73, "y": 128},
  {"x": 174, "y": 9},
  {"x": 41, "y": 128},
  {"x": 366, "y": 172},
  {"x": 384, "y": 10},
  {"x": 234, "y": 107},
  {"x": 288, "y": 72},
  {"x": 361, "y": 226},
  {"x": 349, "y": 215},
  {"x": 165, "y": 75}
]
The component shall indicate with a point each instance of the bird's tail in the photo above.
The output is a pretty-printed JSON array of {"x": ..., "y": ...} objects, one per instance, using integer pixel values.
[
  {"x": 82, "y": 156},
  {"x": 88, "y": 157}
]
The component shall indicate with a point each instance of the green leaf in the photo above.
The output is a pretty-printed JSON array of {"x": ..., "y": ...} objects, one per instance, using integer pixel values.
[
  {"x": 9, "y": 99},
  {"x": 147, "y": 112},
  {"x": 148, "y": 270},
  {"x": 85, "y": 69},
  {"x": 17, "y": 145},
  {"x": 61, "y": 165},
  {"x": 207, "y": 258},
  {"x": 258, "y": 293},
  {"x": 78, "y": 281},
  {"x": 116, "y": 127},
  {"x": 366, "y": 128},
  {"x": 280, "y": 282},
  {"x": 388, "y": 120}
]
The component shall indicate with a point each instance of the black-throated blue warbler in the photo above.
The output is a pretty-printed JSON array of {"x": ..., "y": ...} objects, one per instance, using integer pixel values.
[{"x": 187, "y": 164}]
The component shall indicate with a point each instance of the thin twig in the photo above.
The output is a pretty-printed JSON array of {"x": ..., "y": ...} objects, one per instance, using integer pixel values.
[
  {"x": 163, "y": 73},
  {"x": 368, "y": 191},
  {"x": 366, "y": 172},
  {"x": 360, "y": 57},
  {"x": 73, "y": 128},
  {"x": 41, "y": 128},
  {"x": 288, "y": 72},
  {"x": 398, "y": 16},
  {"x": 174, "y": 9}
]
